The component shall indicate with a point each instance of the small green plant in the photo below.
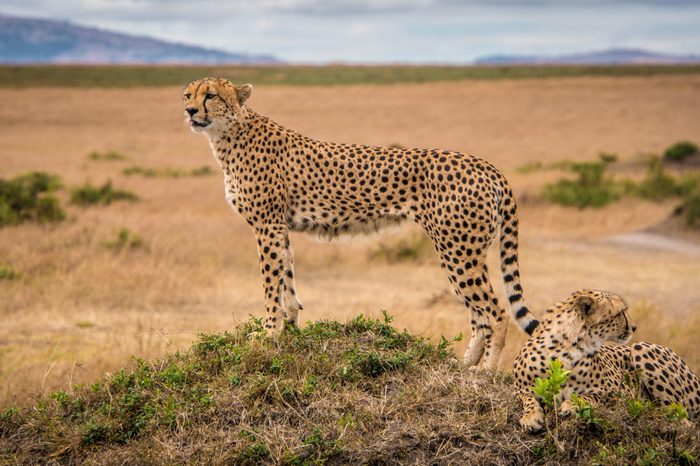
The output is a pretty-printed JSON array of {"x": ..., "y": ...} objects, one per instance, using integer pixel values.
[
  {"x": 94, "y": 433},
  {"x": 396, "y": 145},
  {"x": 676, "y": 412},
  {"x": 638, "y": 407},
  {"x": 125, "y": 240},
  {"x": 548, "y": 389},
  {"x": 584, "y": 411},
  {"x": 591, "y": 188},
  {"x": 444, "y": 347},
  {"x": 8, "y": 414},
  {"x": 61, "y": 398},
  {"x": 105, "y": 194},
  {"x": 109, "y": 155},
  {"x": 680, "y": 151},
  {"x": 8, "y": 273},
  {"x": 27, "y": 197}
]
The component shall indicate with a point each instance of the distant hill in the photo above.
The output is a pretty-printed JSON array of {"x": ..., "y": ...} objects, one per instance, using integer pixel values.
[
  {"x": 27, "y": 40},
  {"x": 620, "y": 56}
]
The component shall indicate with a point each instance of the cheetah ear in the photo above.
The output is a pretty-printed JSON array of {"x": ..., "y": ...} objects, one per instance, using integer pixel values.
[
  {"x": 584, "y": 305},
  {"x": 243, "y": 92}
]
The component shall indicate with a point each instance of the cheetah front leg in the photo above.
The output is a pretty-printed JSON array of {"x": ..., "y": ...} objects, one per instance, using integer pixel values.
[
  {"x": 533, "y": 414},
  {"x": 273, "y": 243},
  {"x": 291, "y": 303}
]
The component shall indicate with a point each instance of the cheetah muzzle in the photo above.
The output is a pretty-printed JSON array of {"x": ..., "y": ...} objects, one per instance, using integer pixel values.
[{"x": 282, "y": 181}]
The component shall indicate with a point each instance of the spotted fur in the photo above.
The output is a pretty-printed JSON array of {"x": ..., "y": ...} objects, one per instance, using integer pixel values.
[
  {"x": 588, "y": 333},
  {"x": 282, "y": 181}
]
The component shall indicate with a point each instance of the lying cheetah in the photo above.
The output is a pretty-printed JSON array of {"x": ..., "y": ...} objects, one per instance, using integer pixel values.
[
  {"x": 577, "y": 331},
  {"x": 282, "y": 181}
]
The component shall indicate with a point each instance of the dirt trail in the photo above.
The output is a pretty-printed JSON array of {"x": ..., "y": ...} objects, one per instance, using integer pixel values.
[{"x": 644, "y": 241}]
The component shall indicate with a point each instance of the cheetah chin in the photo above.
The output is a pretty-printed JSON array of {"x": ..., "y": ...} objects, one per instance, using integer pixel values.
[{"x": 198, "y": 126}]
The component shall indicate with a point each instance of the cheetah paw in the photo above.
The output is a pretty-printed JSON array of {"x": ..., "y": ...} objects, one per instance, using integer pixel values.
[
  {"x": 532, "y": 422},
  {"x": 566, "y": 408}
]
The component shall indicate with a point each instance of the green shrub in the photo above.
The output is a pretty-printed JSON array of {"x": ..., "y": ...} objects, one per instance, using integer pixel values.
[
  {"x": 125, "y": 239},
  {"x": 591, "y": 188},
  {"x": 657, "y": 184},
  {"x": 26, "y": 197},
  {"x": 680, "y": 151},
  {"x": 92, "y": 195},
  {"x": 109, "y": 155}
]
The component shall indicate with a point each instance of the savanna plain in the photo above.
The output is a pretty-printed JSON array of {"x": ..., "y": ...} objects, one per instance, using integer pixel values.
[{"x": 145, "y": 276}]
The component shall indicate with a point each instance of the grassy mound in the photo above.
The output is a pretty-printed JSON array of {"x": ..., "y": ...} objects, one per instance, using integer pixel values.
[{"x": 330, "y": 393}]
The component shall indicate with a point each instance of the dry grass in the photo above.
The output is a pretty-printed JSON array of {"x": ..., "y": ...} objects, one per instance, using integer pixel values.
[
  {"x": 359, "y": 393},
  {"x": 78, "y": 309}
]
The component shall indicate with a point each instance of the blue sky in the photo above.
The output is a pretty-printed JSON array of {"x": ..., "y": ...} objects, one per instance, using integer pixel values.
[{"x": 440, "y": 31}]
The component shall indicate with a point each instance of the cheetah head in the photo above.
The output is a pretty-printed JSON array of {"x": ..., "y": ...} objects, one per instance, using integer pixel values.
[
  {"x": 214, "y": 105},
  {"x": 594, "y": 317}
]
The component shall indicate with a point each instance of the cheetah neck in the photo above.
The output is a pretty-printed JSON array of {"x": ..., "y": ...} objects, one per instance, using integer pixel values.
[
  {"x": 230, "y": 145},
  {"x": 570, "y": 342}
]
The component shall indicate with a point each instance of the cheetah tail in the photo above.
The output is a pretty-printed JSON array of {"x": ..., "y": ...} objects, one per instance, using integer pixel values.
[{"x": 509, "y": 265}]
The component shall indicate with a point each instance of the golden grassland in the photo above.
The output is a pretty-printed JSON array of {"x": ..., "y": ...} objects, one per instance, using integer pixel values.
[{"x": 80, "y": 308}]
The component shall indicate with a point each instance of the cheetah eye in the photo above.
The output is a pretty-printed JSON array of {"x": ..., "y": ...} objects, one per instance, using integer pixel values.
[
  {"x": 188, "y": 95},
  {"x": 210, "y": 96}
]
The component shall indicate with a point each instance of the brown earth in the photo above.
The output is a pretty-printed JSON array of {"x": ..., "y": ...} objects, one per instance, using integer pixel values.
[{"x": 81, "y": 309}]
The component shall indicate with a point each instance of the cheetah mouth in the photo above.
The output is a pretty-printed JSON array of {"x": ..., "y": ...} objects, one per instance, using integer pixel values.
[{"x": 200, "y": 124}]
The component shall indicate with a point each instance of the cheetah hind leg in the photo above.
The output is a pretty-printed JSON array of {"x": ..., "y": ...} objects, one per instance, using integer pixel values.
[{"x": 291, "y": 303}]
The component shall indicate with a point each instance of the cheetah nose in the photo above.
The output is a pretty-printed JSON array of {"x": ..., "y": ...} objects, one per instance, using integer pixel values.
[
  {"x": 634, "y": 328},
  {"x": 191, "y": 110}
]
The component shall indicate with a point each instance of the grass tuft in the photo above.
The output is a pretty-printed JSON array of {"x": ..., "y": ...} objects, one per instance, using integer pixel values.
[
  {"x": 362, "y": 392},
  {"x": 88, "y": 195},
  {"x": 412, "y": 249},
  {"x": 167, "y": 172},
  {"x": 110, "y": 155},
  {"x": 125, "y": 240}
]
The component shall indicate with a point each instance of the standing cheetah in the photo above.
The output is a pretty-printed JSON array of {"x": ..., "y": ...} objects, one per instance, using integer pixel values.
[
  {"x": 282, "y": 181},
  {"x": 588, "y": 333}
]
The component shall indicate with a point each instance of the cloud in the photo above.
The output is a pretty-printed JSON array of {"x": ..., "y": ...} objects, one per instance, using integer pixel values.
[{"x": 391, "y": 30}]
